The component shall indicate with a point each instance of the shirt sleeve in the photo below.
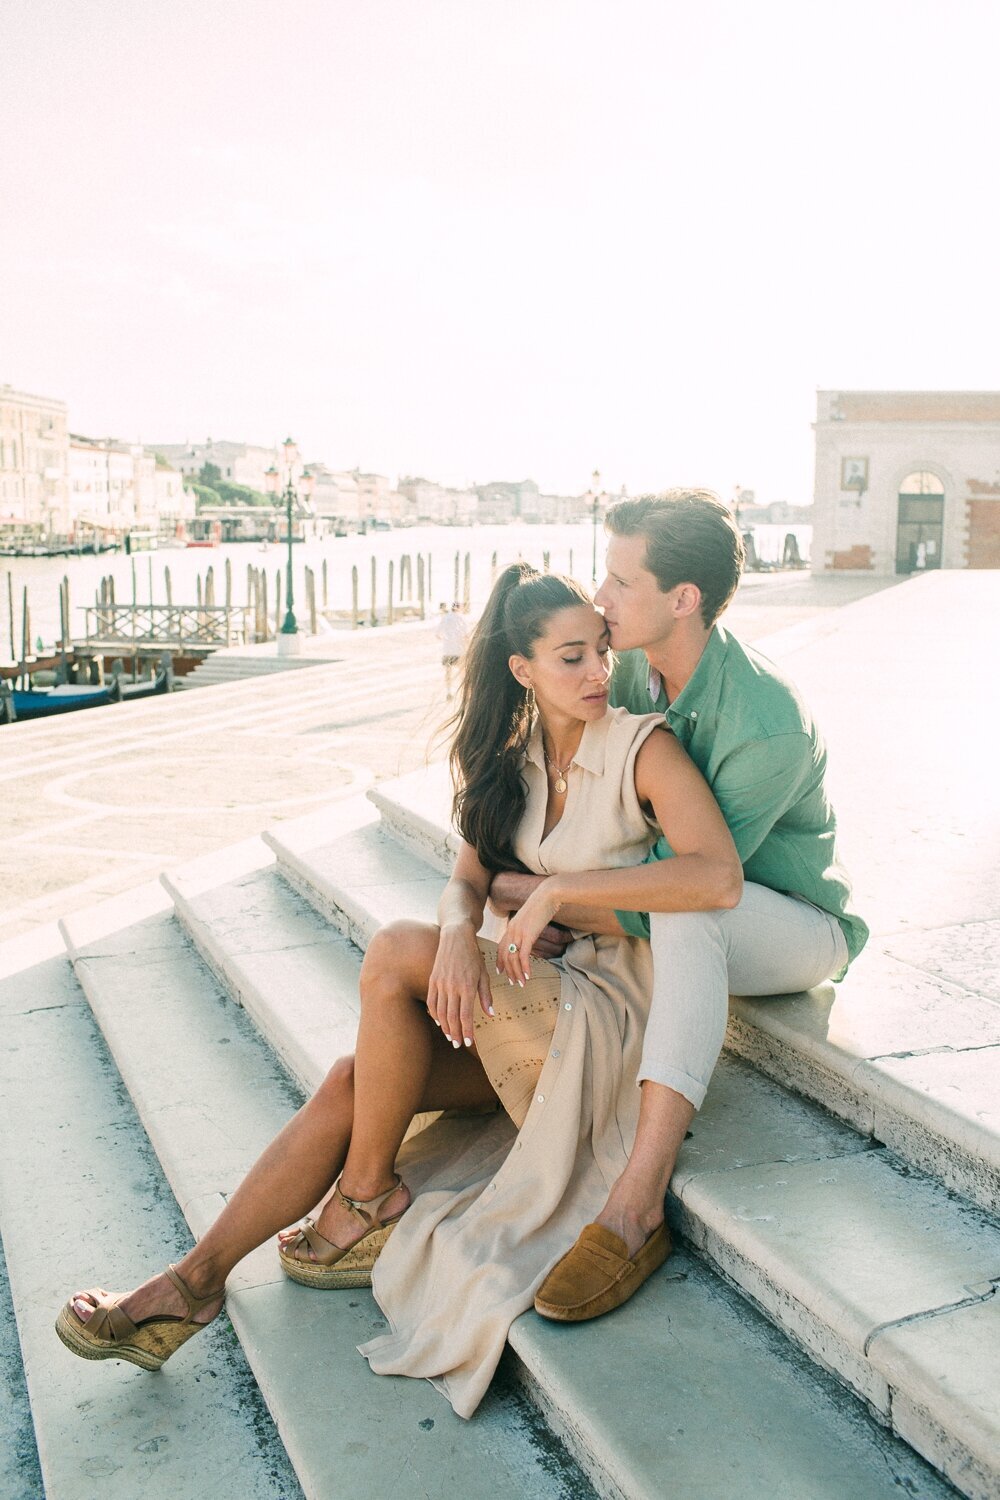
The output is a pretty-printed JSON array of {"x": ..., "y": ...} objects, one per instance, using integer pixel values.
[
  {"x": 757, "y": 784},
  {"x": 754, "y": 787}
]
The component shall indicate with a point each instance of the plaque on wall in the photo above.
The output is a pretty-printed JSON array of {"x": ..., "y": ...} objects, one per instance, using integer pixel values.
[{"x": 854, "y": 474}]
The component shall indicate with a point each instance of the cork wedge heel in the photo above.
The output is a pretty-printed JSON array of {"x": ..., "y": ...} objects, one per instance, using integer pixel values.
[
  {"x": 110, "y": 1333},
  {"x": 335, "y": 1268}
]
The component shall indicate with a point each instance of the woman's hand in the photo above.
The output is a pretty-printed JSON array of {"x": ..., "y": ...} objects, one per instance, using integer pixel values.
[
  {"x": 523, "y": 928},
  {"x": 457, "y": 980}
]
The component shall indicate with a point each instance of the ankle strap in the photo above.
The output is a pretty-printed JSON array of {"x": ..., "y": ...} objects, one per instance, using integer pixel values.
[
  {"x": 367, "y": 1209},
  {"x": 195, "y": 1304}
]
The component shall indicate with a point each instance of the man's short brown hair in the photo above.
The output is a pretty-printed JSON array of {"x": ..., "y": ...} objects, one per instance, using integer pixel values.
[{"x": 690, "y": 538}]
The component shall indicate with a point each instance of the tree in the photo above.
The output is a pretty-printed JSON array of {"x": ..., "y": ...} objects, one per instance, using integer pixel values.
[
  {"x": 210, "y": 475},
  {"x": 203, "y": 493},
  {"x": 240, "y": 494}
]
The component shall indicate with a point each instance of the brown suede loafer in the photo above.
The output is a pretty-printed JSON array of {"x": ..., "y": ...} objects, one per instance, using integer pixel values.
[{"x": 597, "y": 1276}]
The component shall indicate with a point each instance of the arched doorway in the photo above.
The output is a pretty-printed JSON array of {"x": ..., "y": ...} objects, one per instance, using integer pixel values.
[{"x": 920, "y": 527}]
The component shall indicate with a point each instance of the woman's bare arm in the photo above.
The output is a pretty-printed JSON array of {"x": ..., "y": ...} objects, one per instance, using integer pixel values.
[
  {"x": 459, "y": 976},
  {"x": 704, "y": 875}
]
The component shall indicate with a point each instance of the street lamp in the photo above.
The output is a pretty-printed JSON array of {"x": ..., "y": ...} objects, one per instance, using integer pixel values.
[
  {"x": 289, "y": 641},
  {"x": 595, "y": 484}
]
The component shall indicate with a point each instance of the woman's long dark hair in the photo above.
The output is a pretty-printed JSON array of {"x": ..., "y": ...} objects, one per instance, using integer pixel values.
[{"x": 493, "y": 721}]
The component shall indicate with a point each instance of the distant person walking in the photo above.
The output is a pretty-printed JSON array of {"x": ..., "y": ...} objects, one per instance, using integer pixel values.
[{"x": 452, "y": 632}]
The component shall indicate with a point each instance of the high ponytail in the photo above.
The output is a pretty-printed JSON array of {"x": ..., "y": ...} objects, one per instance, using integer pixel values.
[{"x": 494, "y": 717}]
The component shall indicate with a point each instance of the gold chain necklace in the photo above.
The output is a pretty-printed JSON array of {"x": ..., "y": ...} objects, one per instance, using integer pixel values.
[{"x": 560, "y": 782}]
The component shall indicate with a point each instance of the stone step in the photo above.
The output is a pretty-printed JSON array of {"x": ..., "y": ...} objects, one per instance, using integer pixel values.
[
  {"x": 839, "y": 1449},
  {"x": 83, "y": 1202},
  {"x": 211, "y": 1095},
  {"x": 359, "y": 879},
  {"x": 787, "y": 1202},
  {"x": 218, "y": 668},
  {"x": 904, "y": 1049}
]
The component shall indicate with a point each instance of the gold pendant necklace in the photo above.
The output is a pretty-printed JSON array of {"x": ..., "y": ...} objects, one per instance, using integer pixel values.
[{"x": 560, "y": 781}]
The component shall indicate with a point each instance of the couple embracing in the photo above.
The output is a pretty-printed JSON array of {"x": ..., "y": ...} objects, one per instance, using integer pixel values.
[{"x": 642, "y": 804}]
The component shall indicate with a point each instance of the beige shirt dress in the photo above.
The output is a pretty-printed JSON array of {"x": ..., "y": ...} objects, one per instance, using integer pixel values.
[{"x": 496, "y": 1206}]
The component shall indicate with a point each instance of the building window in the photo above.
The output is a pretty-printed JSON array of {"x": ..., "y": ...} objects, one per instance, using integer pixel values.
[{"x": 921, "y": 483}]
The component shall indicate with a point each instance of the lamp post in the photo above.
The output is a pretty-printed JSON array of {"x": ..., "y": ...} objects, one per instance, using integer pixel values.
[
  {"x": 595, "y": 484},
  {"x": 289, "y": 638}
]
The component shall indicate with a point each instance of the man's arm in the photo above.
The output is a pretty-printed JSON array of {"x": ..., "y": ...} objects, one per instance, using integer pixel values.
[
  {"x": 754, "y": 787},
  {"x": 509, "y": 891}
]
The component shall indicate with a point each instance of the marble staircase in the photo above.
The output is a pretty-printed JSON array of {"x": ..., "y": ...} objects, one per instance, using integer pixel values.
[{"x": 828, "y": 1327}]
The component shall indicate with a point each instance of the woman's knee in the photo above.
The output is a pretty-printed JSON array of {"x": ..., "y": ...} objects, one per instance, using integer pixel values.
[
  {"x": 335, "y": 1095},
  {"x": 400, "y": 952}
]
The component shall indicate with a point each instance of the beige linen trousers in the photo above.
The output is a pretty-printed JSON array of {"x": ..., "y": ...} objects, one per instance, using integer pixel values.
[{"x": 495, "y": 1207}]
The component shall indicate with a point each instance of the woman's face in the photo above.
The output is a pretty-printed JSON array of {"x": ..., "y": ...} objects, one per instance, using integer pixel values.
[{"x": 570, "y": 664}]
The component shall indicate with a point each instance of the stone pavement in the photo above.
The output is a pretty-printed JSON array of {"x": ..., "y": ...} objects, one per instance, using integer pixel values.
[
  {"x": 873, "y": 1260},
  {"x": 97, "y": 802}
]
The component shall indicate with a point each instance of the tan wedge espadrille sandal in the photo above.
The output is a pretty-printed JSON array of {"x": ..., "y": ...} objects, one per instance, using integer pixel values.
[
  {"x": 110, "y": 1333},
  {"x": 333, "y": 1266}
]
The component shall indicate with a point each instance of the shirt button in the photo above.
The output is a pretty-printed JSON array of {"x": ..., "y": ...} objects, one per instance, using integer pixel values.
[
  {"x": 694, "y": 713},
  {"x": 555, "y": 1051},
  {"x": 567, "y": 1006},
  {"x": 541, "y": 1098}
]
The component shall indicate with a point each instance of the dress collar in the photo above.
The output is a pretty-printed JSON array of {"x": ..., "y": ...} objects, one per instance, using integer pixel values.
[{"x": 590, "y": 753}]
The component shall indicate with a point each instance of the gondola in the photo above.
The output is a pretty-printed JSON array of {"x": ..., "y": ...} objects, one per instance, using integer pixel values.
[{"x": 17, "y": 706}]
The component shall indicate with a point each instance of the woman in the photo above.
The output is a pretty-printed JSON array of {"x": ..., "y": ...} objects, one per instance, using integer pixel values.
[{"x": 546, "y": 779}]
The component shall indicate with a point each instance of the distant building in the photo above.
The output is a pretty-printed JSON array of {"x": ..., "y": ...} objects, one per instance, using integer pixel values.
[
  {"x": 118, "y": 487},
  {"x": 377, "y": 500},
  {"x": 906, "y": 480},
  {"x": 424, "y": 501},
  {"x": 34, "y": 444},
  {"x": 172, "y": 502},
  {"x": 239, "y": 463},
  {"x": 335, "y": 497},
  {"x": 102, "y": 484},
  {"x": 506, "y": 500}
]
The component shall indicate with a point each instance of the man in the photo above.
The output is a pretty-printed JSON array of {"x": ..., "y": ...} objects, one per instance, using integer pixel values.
[
  {"x": 452, "y": 632},
  {"x": 673, "y": 565}
]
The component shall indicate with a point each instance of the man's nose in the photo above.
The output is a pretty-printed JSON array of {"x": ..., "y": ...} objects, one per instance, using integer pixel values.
[{"x": 599, "y": 599}]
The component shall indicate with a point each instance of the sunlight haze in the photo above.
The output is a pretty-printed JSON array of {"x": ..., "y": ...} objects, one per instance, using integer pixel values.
[{"x": 493, "y": 240}]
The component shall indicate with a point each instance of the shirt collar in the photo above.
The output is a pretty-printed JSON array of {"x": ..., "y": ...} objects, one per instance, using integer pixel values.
[{"x": 701, "y": 685}]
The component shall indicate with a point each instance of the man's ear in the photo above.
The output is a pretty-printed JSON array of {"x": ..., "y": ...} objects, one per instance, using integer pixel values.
[
  {"x": 519, "y": 670},
  {"x": 687, "y": 601}
]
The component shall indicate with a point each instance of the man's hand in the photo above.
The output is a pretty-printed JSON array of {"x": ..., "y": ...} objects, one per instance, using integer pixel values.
[
  {"x": 552, "y": 941},
  {"x": 508, "y": 893}
]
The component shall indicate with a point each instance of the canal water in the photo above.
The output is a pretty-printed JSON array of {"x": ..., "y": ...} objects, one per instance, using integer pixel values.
[{"x": 570, "y": 548}]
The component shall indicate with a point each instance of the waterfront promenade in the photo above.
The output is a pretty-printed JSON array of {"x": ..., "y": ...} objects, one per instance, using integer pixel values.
[
  {"x": 843, "y": 1184},
  {"x": 97, "y": 802}
]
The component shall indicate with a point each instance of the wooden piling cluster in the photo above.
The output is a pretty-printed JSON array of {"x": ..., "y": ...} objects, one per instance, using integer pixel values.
[{"x": 404, "y": 591}]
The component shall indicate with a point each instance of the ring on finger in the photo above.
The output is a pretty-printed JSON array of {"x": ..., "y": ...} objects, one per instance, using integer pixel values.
[{"x": 511, "y": 947}]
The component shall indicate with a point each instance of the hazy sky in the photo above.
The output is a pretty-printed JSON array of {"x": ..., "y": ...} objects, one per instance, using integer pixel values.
[{"x": 477, "y": 239}]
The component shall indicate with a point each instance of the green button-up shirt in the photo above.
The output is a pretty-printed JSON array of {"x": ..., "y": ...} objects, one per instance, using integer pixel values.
[{"x": 753, "y": 739}]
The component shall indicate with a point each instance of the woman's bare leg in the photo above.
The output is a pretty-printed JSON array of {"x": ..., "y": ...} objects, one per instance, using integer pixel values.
[
  {"x": 407, "y": 1066},
  {"x": 403, "y": 1065}
]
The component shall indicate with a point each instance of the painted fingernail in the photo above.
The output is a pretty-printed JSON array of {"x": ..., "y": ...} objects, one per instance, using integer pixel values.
[
  {"x": 498, "y": 968},
  {"x": 510, "y": 982},
  {"x": 520, "y": 984},
  {"x": 490, "y": 1011},
  {"x": 447, "y": 1037},
  {"x": 456, "y": 1044},
  {"x": 468, "y": 1041}
]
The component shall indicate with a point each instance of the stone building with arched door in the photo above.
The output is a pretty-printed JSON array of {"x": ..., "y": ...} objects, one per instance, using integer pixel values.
[{"x": 906, "y": 480}]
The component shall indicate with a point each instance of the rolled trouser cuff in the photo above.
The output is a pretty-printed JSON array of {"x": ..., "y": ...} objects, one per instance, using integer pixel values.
[{"x": 681, "y": 1083}]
